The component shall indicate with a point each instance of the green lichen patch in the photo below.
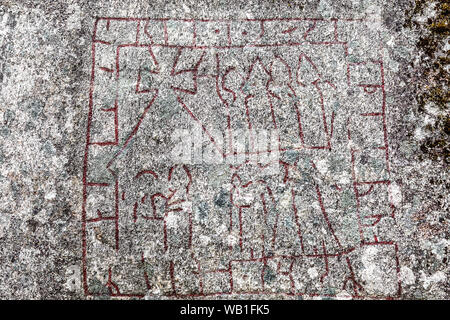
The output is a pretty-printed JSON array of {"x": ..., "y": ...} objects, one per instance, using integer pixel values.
[{"x": 433, "y": 89}]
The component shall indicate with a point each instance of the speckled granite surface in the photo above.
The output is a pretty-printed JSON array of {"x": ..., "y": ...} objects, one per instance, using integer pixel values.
[{"x": 224, "y": 149}]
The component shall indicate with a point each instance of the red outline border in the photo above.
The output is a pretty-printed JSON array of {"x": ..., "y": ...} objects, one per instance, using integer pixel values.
[{"x": 262, "y": 21}]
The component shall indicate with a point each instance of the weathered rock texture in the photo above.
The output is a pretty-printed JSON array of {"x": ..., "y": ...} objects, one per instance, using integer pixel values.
[{"x": 347, "y": 198}]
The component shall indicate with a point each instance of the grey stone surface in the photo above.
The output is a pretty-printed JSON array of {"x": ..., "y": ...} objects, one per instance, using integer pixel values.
[{"x": 353, "y": 203}]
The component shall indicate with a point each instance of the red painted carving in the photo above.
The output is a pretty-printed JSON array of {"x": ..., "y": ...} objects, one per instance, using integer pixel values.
[{"x": 240, "y": 90}]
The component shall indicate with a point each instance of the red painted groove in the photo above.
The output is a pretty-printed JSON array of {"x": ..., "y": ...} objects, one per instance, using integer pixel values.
[{"x": 142, "y": 28}]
